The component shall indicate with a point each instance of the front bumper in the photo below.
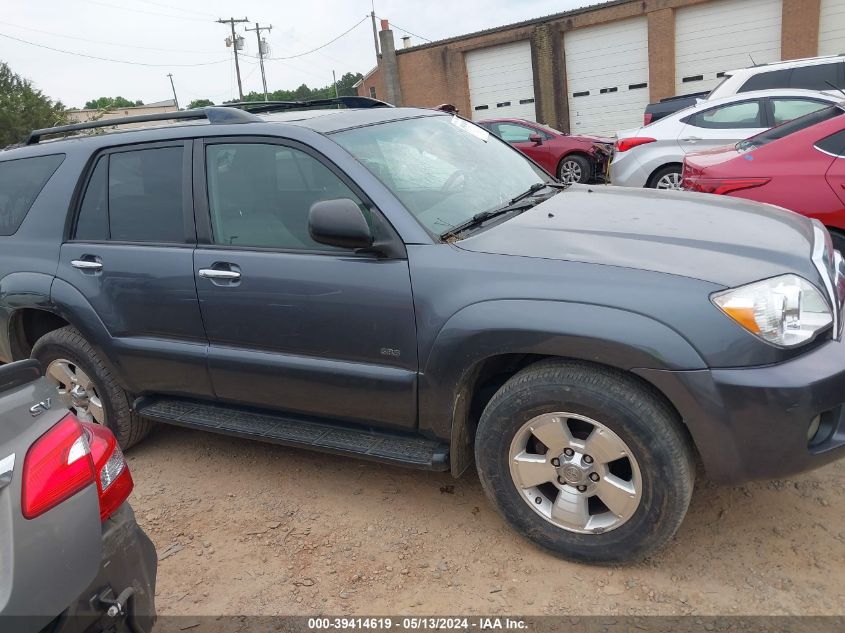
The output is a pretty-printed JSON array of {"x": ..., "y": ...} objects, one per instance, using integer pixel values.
[
  {"x": 128, "y": 568},
  {"x": 753, "y": 423}
]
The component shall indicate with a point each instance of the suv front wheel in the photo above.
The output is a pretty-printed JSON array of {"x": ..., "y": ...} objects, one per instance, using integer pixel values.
[
  {"x": 86, "y": 386},
  {"x": 585, "y": 461}
]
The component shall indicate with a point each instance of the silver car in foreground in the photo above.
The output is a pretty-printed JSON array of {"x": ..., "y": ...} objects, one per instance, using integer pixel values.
[
  {"x": 652, "y": 156},
  {"x": 72, "y": 557}
]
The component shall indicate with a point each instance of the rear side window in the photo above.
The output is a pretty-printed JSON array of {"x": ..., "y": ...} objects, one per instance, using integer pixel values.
[
  {"x": 20, "y": 183},
  {"x": 784, "y": 110},
  {"x": 134, "y": 197},
  {"x": 745, "y": 114},
  {"x": 796, "y": 125},
  {"x": 820, "y": 77}
]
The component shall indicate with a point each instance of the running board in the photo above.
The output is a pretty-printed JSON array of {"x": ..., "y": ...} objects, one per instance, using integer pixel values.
[{"x": 404, "y": 450}]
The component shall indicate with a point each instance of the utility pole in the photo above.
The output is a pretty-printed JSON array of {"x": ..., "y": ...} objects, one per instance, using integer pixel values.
[
  {"x": 231, "y": 22},
  {"x": 336, "y": 95},
  {"x": 262, "y": 45},
  {"x": 175, "y": 98},
  {"x": 375, "y": 31}
]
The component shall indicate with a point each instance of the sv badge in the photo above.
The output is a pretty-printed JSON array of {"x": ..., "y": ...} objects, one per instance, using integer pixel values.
[{"x": 40, "y": 407}]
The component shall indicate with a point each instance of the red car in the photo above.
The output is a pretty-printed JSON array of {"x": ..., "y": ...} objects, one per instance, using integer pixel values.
[
  {"x": 572, "y": 159},
  {"x": 799, "y": 165}
]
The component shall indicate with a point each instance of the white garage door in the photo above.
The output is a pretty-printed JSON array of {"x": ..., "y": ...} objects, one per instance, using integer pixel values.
[
  {"x": 607, "y": 76},
  {"x": 714, "y": 37},
  {"x": 501, "y": 82},
  {"x": 832, "y": 28}
]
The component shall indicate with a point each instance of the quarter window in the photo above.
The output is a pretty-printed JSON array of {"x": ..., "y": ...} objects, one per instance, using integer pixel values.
[
  {"x": 745, "y": 114},
  {"x": 260, "y": 195},
  {"x": 20, "y": 183},
  {"x": 135, "y": 197},
  {"x": 833, "y": 144}
]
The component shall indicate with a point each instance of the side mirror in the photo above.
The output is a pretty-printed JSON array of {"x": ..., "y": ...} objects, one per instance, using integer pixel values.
[
  {"x": 339, "y": 223},
  {"x": 536, "y": 139}
]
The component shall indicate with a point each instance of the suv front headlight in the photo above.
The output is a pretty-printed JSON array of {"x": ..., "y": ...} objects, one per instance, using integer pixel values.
[{"x": 785, "y": 311}]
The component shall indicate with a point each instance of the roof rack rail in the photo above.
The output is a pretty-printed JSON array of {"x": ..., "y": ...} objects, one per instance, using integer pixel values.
[
  {"x": 278, "y": 106},
  {"x": 218, "y": 115}
]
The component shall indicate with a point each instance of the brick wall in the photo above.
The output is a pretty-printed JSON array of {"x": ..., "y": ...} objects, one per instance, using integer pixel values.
[
  {"x": 432, "y": 74},
  {"x": 800, "y": 30}
]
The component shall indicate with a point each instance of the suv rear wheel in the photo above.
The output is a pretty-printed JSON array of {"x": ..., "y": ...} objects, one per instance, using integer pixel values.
[
  {"x": 585, "y": 461},
  {"x": 86, "y": 386}
]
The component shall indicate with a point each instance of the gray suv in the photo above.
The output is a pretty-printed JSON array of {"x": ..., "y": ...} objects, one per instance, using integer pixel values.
[{"x": 398, "y": 284}]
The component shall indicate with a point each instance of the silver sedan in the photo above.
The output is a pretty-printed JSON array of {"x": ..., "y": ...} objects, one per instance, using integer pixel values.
[{"x": 652, "y": 156}]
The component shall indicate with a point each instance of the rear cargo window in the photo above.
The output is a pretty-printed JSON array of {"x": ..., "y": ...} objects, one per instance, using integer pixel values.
[{"x": 20, "y": 183}]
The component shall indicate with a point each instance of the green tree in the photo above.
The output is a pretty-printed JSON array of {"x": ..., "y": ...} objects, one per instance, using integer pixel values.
[
  {"x": 24, "y": 108},
  {"x": 200, "y": 103},
  {"x": 110, "y": 103},
  {"x": 345, "y": 84},
  {"x": 304, "y": 93}
]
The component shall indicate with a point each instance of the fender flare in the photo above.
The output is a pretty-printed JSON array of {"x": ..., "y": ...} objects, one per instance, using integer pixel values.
[{"x": 593, "y": 333}]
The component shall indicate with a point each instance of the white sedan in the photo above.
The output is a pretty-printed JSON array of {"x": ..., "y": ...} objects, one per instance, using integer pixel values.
[{"x": 652, "y": 156}]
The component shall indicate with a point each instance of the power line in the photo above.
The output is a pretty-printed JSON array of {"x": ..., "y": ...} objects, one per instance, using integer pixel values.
[
  {"x": 314, "y": 50},
  {"x": 409, "y": 33},
  {"x": 166, "y": 15},
  {"x": 172, "y": 8},
  {"x": 108, "y": 59},
  {"x": 82, "y": 39}
]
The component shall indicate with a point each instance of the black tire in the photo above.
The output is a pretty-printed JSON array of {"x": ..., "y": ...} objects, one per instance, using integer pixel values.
[
  {"x": 661, "y": 173},
  {"x": 68, "y": 344},
  {"x": 649, "y": 427},
  {"x": 584, "y": 164}
]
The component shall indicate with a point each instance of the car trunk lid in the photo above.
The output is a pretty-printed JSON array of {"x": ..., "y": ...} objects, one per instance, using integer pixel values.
[{"x": 49, "y": 560}]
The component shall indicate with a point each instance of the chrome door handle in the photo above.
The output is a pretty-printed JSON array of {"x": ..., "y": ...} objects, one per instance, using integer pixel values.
[
  {"x": 84, "y": 264},
  {"x": 691, "y": 139},
  {"x": 213, "y": 273}
]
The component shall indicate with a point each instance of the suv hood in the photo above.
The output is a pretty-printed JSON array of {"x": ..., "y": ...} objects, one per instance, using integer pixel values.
[{"x": 722, "y": 240}]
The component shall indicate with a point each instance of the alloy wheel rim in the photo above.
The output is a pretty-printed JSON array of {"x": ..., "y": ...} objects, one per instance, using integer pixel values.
[
  {"x": 76, "y": 390},
  {"x": 575, "y": 473},
  {"x": 670, "y": 181},
  {"x": 570, "y": 172}
]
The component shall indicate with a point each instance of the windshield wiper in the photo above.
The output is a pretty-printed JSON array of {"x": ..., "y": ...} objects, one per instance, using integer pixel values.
[{"x": 516, "y": 204}]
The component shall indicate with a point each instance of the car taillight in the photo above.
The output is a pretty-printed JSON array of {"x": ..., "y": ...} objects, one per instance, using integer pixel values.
[
  {"x": 56, "y": 467},
  {"x": 721, "y": 186},
  {"x": 114, "y": 482},
  {"x": 624, "y": 144},
  {"x": 648, "y": 118},
  {"x": 69, "y": 457}
]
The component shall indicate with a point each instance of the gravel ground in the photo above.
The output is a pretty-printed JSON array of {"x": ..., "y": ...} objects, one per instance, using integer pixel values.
[{"x": 248, "y": 528}]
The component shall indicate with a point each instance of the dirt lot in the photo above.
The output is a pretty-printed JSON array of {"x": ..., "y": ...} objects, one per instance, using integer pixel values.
[{"x": 243, "y": 527}]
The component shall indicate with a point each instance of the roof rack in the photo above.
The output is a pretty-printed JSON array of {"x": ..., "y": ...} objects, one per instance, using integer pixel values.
[
  {"x": 220, "y": 115},
  {"x": 278, "y": 106}
]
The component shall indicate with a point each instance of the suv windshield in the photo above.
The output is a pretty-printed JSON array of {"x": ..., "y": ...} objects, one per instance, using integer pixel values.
[
  {"x": 444, "y": 170},
  {"x": 790, "y": 127}
]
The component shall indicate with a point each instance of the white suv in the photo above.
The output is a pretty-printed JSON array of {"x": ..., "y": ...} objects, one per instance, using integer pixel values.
[{"x": 814, "y": 73}]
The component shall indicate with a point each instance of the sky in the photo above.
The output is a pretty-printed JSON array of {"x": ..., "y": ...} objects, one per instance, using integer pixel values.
[{"x": 182, "y": 37}]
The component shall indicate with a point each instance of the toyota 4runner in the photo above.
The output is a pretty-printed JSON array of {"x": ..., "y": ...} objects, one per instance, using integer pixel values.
[{"x": 398, "y": 284}]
